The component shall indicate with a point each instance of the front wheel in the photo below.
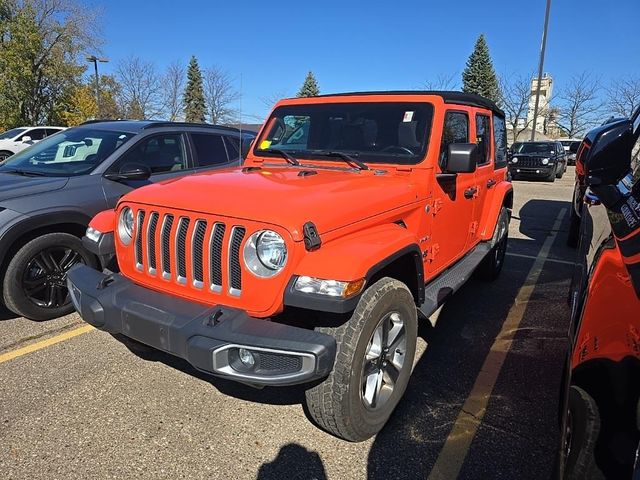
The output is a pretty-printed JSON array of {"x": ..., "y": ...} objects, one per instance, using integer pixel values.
[
  {"x": 552, "y": 176},
  {"x": 4, "y": 154},
  {"x": 561, "y": 171},
  {"x": 376, "y": 347},
  {"x": 35, "y": 283}
]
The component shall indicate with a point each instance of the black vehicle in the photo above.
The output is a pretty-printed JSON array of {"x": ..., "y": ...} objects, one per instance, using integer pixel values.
[
  {"x": 50, "y": 191},
  {"x": 545, "y": 159},
  {"x": 571, "y": 147}
]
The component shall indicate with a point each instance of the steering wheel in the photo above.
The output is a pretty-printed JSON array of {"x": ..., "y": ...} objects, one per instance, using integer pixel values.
[{"x": 397, "y": 149}]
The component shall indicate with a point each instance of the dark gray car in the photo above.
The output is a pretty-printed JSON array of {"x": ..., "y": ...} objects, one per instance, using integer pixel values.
[{"x": 50, "y": 191}]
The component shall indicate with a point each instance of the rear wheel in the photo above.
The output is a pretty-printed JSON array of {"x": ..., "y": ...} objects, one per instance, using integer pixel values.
[
  {"x": 4, "y": 154},
  {"x": 492, "y": 264},
  {"x": 375, "y": 350},
  {"x": 35, "y": 283}
]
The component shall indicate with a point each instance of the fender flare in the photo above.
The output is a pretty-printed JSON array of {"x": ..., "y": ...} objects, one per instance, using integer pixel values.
[{"x": 353, "y": 257}]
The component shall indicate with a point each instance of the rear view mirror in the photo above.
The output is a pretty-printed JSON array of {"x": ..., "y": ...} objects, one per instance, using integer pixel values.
[
  {"x": 131, "y": 171},
  {"x": 606, "y": 154},
  {"x": 462, "y": 158}
]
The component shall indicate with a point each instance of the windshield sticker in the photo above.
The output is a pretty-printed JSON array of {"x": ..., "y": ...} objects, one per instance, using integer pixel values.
[
  {"x": 408, "y": 116},
  {"x": 265, "y": 144}
]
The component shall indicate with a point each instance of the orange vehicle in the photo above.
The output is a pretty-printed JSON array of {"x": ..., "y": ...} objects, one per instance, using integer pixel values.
[
  {"x": 353, "y": 216},
  {"x": 600, "y": 409}
]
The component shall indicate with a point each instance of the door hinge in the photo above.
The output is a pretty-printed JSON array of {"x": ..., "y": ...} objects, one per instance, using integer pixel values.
[
  {"x": 430, "y": 253},
  {"x": 473, "y": 228}
]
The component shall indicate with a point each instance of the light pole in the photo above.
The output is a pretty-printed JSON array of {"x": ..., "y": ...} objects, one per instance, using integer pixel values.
[
  {"x": 540, "y": 67},
  {"x": 93, "y": 59}
]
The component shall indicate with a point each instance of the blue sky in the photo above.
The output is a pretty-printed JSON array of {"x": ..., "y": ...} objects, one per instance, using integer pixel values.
[{"x": 268, "y": 47}]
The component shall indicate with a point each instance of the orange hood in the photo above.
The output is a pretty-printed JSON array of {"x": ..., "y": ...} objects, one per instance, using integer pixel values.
[{"x": 280, "y": 196}]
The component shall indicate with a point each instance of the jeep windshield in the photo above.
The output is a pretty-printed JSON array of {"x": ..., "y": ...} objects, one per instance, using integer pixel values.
[
  {"x": 371, "y": 132},
  {"x": 72, "y": 152},
  {"x": 534, "y": 148}
]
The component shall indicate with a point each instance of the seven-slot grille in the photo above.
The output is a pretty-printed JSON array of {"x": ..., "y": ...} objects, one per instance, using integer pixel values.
[
  {"x": 202, "y": 245},
  {"x": 529, "y": 162}
]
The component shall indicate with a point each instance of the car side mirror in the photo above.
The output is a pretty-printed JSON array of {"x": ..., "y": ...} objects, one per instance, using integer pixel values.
[
  {"x": 462, "y": 158},
  {"x": 26, "y": 139},
  {"x": 606, "y": 153},
  {"x": 131, "y": 171}
]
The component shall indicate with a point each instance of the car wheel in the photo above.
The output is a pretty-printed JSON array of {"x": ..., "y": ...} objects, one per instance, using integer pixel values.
[
  {"x": 4, "y": 154},
  {"x": 560, "y": 171},
  {"x": 35, "y": 283},
  {"x": 582, "y": 430},
  {"x": 490, "y": 267},
  {"x": 552, "y": 176},
  {"x": 374, "y": 358}
]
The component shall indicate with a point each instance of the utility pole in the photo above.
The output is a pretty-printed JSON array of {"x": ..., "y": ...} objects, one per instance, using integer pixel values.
[
  {"x": 540, "y": 68},
  {"x": 93, "y": 59}
]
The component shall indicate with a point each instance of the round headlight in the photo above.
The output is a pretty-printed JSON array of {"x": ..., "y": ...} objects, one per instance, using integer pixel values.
[
  {"x": 125, "y": 225},
  {"x": 514, "y": 160},
  {"x": 265, "y": 253},
  {"x": 545, "y": 161}
]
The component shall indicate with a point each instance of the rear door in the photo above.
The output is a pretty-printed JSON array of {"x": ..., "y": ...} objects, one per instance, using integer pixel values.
[
  {"x": 485, "y": 175},
  {"x": 213, "y": 151}
]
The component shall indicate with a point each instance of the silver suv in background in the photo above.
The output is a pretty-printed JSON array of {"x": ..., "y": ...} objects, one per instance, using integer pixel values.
[{"x": 17, "y": 139}]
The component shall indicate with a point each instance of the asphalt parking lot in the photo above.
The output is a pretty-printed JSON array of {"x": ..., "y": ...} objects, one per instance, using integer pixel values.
[{"x": 482, "y": 401}]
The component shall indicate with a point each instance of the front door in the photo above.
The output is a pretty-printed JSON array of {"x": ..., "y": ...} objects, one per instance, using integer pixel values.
[{"x": 453, "y": 199}]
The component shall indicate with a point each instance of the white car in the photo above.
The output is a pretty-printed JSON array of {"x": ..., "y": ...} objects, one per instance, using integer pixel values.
[{"x": 17, "y": 139}]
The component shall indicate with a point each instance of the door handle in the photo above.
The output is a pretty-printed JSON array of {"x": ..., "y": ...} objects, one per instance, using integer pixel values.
[
  {"x": 470, "y": 192},
  {"x": 491, "y": 182}
]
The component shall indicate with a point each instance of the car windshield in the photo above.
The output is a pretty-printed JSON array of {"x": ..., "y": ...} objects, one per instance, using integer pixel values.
[
  {"x": 533, "y": 147},
  {"x": 14, "y": 132},
  {"x": 373, "y": 132},
  {"x": 72, "y": 152}
]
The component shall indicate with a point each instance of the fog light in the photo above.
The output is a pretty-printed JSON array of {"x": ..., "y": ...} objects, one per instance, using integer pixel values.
[
  {"x": 246, "y": 357},
  {"x": 537, "y": 171}
]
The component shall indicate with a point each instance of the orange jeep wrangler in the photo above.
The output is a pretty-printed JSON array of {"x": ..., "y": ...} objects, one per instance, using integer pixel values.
[{"x": 353, "y": 216}]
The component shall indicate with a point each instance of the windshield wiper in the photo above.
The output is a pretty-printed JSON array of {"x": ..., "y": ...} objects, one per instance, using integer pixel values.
[
  {"x": 290, "y": 159},
  {"x": 24, "y": 173},
  {"x": 349, "y": 158}
]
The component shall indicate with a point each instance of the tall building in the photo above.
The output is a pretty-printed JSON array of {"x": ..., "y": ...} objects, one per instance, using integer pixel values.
[{"x": 546, "y": 90}]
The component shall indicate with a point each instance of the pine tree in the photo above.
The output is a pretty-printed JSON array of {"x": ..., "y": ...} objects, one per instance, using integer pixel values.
[
  {"x": 309, "y": 87},
  {"x": 194, "y": 106},
  {"x": 479, "y": 76}
]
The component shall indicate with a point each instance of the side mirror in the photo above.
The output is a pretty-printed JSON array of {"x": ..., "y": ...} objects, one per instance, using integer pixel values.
[
  {"x": 606, "y": 153},
  {"x": 26, "y": 139},
  {"x": 462, "y": 158},
  {"x": 131, "y": 171}
]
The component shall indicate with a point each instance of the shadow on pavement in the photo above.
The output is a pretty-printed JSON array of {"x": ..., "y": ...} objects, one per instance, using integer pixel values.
[
  {"x": 7, "y": 314},
  {"x": 293, "y": 462}
]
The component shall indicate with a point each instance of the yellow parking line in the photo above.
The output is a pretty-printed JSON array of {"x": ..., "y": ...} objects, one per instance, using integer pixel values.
[
  {"x": 5, "y": 357},
  {"x": 456, "y": 447}
]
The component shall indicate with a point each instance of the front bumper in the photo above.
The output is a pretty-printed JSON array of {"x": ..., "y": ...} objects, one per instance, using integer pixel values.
[
  {"x": 542, "y": 171},
  {"x": 208, "y": 337}
]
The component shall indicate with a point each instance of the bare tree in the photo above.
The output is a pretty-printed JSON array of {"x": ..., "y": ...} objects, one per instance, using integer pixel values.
[
  {"x": 270, "y": 100},
  {"x": 442, "y": 82},
  {"x": 220, "y": 95},
  {"x": 580, "y": 106},
  {"x": 515, "y": 93},
  {"x": 141, "y": 88},
  {"x": 173, "y": 87},
  {"x": 624, "y": 96}
]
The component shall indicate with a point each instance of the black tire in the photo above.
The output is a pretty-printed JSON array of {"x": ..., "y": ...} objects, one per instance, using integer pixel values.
[
  {"x": 490, "y": 267},
  {"x": 338, "y": 404},
  {"x": 583, "y": 428},
  {"x": 560, "y": 172},
  {"x": 552, "y": 176},
  {"x": 573, "y": 237},
  {"x": 43, "y": 262},
  {"x": 4, "y": 154}
]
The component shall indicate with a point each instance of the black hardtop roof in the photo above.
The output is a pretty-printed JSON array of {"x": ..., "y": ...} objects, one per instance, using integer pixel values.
[
  {"x": 449, "y": 96},
  {"x": 139, "y": 125}
]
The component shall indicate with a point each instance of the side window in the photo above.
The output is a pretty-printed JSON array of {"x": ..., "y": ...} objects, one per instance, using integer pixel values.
[
  {"x": 51, "y": 131},
  {"x": 35, "y": 134},
  {"x": 500, "y": 141},
  {"x": 233, "y": 147},
  {"x": 210, "y": 149},
  {"x": 161, "y": 153},
  {"x": 483, "y": 138},
  {"x": 455, "y": 130}
]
